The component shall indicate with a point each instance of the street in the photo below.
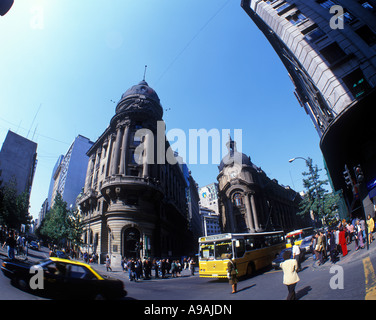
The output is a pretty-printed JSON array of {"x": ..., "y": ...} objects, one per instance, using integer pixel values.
[{"x": 352, "y": 278}]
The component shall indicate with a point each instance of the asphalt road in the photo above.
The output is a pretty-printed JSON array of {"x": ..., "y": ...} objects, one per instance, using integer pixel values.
[{"x": 352, "y": 278}]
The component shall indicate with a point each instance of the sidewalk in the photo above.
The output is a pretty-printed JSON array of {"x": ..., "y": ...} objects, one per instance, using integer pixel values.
[{"x": 351, "y": 256}]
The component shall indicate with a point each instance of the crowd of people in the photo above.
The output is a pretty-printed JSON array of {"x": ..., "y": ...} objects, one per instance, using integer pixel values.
[
  {"x": 138, "y": 269},
  {"x": 332, "y": 243},
  {"x": 16, "y": 243}
]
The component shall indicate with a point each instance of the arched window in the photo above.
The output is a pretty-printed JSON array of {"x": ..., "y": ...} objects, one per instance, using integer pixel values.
[{"x": 238, "y": 200}]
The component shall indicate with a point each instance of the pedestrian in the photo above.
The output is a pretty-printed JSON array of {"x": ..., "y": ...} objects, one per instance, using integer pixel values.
[
  {"x": 342, "y": 241},
  {"x": 319, "y": 248},
  {"x": 290, "y": 276},
  {"x": 296, "y": 254},
  {"x": 11, "y": 244},
  {"x": 192, "y": 266},
  {"x": 363, "y": 227},
  {"x": 108, "y": 263},
  {"x": 232, "y": 273},
  {"x": 332, "y": 247},
  {"x": 370, "y": 226},
  {"x": 173, "y": 269},
  {"x": 155, "y": 267},
  {"x": 358, "y": 236},
  {"x": 131, "y": 269}
]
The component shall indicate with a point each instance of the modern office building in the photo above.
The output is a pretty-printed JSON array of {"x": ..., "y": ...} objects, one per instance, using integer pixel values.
[
  {"x": 209, "y": 197},
  {"x": 211, "y": 222},
  {"x": 18, "y": 160},
  {"x": 68, "y": 176},
  {"x": 250, "y": 201},
  {"x": 134, "y": 202},
  {"x": 329, "y": 50}
]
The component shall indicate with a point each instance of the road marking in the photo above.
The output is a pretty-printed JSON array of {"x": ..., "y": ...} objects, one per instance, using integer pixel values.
[{"x": 370, "y": 276}]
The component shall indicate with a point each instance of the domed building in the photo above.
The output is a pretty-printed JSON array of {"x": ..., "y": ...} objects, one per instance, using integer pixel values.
[
  {"x": 252, "y": 202},
  {"x": 134, "y": 202}
]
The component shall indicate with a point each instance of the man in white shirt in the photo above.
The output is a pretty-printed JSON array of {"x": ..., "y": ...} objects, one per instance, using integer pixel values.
[{"x": 296, "y": 254}]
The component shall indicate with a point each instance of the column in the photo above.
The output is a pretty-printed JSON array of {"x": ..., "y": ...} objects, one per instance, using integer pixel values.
[
  {"x": 124, "y": 152},
  {"x": 249, "y": 213},
  {"x": 108, "y": 156},
  {"x": 115, "y": 159},
  {"x": 145, "y": 164},
  {"x": 230, "y": 216},
  {"x": 254, "y": 211}
]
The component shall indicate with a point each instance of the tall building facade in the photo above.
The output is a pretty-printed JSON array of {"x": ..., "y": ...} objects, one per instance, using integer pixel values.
[
  {"x": 250, "y": 201},
  {"x": 134, "y": 201},
  {"x": 209, "y": 197},
  {"x": 329, "y": 50},
  {"x": 68, "y": 176},
  {"x": 18, "y": 160}
]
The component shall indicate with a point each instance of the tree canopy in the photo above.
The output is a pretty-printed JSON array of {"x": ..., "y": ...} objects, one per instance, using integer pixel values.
[
  {"x": 317, "y": 201},
  {"x": 14, "y": 207}
]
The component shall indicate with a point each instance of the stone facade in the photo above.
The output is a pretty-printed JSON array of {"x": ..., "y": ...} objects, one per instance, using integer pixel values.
[
  {"x": 252, "y": 202},
  {"x": 134, "y": 202}
]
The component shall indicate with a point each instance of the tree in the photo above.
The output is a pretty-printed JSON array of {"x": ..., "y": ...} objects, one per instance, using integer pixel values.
[
  {"x": 317, "y": 201},
  {"x": 14, "y": 207},
  {"x": 56, "y": 225},
  {"x": 76, "y": 227},
  {"x": 61, "y": 225}
]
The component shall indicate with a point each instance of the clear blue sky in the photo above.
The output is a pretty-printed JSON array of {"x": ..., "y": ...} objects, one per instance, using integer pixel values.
[{"x": 62, "y": 62}]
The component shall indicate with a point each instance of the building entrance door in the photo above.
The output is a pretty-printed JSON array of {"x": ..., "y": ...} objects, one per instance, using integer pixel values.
[{"x": 131, "y": 243}]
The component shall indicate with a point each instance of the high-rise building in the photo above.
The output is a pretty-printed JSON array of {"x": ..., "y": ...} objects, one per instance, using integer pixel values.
[
  {"x": 209, "y": 197},
  {"x": 134, "y": 202},
  {"x": 68, "y": 176},
  {"x": 18, "y": 160},
  {"x": 329, "y": 50}
]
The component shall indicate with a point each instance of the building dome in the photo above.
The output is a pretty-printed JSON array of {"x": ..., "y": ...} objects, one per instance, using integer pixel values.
[
  {"x": 141, "y": 89},
  {"x": 234, "y": 156}
]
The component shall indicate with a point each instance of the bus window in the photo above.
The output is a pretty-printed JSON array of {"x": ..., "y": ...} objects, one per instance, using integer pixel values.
[
  {"x": 239, "y": 248},
  {"x": 223, "y": 249},
  {"x": 207, "y": 251},
  {"x": 249, "y": 245}
]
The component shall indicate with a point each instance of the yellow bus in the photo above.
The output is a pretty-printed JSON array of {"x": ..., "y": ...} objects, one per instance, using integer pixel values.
[
  {"x": 297, "y": 236},
  {"x": 251, "y": 251}
]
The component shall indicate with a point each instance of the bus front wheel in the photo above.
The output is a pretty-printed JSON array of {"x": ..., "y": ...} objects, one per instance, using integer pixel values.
[{"x": 250, "y": 268}]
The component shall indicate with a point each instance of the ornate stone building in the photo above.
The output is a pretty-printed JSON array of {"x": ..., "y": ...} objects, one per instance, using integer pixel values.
[
  {"x": 252, "y": 202},
  {"x": 134, "y": 201}
]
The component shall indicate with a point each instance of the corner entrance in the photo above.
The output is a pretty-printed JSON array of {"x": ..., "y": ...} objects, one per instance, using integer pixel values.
[{"x": 131, "y": 239}]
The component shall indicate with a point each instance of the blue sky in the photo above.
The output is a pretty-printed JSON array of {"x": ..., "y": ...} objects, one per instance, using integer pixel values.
[{"x": 64, "y": 61}]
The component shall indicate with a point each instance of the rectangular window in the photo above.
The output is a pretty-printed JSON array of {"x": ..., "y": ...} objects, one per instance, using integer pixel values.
[
  {"x": 367, "y": 5},
  {"x": 367, "y": 35},
  {"x": 296, "y": 18},
  {"x": 327, "y": 4},
  {"x": 357, "y": 83},
  {"x": 333, "y": 53}
]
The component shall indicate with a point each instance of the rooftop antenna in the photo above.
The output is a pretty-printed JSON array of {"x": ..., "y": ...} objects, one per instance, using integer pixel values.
[
  {"x": 144, "y": 72},
  {"x": 33, "y": 120}
]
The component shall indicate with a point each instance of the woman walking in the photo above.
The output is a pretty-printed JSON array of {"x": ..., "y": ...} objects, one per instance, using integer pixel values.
[
  {"x": 108, "y": 263},
  {"x": 232, "y": 274}
]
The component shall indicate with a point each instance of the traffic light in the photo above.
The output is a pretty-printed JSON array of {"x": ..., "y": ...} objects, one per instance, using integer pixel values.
[
  {"x": 347, "y": 176},
  {"x": 359, "y": 173},
  {"x": 5, "y": 6}
]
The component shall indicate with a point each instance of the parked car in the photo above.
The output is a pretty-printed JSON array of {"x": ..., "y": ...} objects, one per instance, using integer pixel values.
[
  {"x": 279, "y": 259},
  {"x": 33, "y": 245},
  {"x": 64, "y": 279},
  {"x": 306, "y": 244}
]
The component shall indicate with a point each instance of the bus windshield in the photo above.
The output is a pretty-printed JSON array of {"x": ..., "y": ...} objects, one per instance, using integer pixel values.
[{"x": 215, "y": 250}]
